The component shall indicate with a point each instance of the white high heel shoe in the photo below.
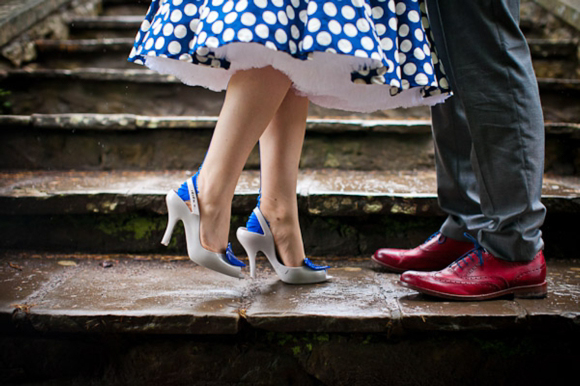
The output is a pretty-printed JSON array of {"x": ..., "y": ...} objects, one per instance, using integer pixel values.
[
  {"x": 255, "y": 242},
  {"x": 178, "y": 210}
]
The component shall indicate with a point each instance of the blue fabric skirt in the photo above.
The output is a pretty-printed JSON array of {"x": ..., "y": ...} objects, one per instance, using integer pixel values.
[{"x": 358, "y": 55}]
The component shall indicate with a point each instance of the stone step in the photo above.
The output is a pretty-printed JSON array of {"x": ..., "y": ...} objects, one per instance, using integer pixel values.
[
  {"x": 112, "y": 91},
  {"x": 342, "y": 212},
  {"x": 148, "y": 319},
  {"x": 554, "y": 58},
  {"x": 105, "y": 142}
]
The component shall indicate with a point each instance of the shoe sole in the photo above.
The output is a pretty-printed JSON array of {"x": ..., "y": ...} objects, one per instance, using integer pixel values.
[
  {"x": 538, "y": 291},
  {"x": 390, "y": 268}
]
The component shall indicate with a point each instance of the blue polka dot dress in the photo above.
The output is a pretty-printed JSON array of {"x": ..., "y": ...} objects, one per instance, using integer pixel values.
[{"x": 357, "y": 55}]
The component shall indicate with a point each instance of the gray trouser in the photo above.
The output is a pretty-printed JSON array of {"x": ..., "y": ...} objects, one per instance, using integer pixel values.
[{"x": 489, "y": 137}]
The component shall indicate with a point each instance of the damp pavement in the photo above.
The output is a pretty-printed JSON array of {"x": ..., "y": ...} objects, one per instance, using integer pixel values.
[{"x": 65, "y": 293}]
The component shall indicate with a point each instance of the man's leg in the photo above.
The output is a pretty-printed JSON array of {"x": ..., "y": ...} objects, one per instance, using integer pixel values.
[{"x": 487, "y": 60}]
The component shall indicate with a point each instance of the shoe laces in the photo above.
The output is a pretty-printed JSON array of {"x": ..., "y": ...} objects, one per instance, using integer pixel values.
[
  {"x": 477, "y": 251},
  {"x": 441, "y": 240}
]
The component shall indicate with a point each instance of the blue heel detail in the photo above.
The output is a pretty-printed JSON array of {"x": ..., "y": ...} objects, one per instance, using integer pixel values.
[
  {"x": 314, "y": 267},
  {"x": 253, "y": 225},
  {"x": 232, "y": 259},
  {"x": 183, "y": 192}
]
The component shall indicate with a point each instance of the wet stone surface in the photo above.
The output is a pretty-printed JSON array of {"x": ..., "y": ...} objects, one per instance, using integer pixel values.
[{"x": 151, "y": 294}]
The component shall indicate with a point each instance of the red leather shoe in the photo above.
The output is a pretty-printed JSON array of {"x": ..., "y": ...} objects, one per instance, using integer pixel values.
[
  {"x": 434, "y": 254},
  {"x": 480, "y": 276}
]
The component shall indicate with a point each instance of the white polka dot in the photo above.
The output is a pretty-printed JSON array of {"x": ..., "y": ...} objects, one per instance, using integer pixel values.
[
  {"x": 145, "y": 25},
  {"x": 387, "y": 44},
  {"x": 376, "y": 56},
  {"x": 409, "y": 69},
  {"x": 392, "y": 5},
  {"x": 390, "y": 66},
  {"x": 357, "y": 3},
  {"x": 313, "y": 25},
  {"x": 401, "y": 58},
  {"x": 193, "y": 25},
  {"x": 443, "y": 83},
  {"x": 427, "y": 68},
  {"x": 347, "y": 12},
  {"x": 248, "y": 19},
  {"x": 151, "y": 53},
  {"x": 199, "y": 27},
  {"x": 290, "y": 12},
  {"x": 176, "y": 15},
  {"x": 271, "y": 46},
  {"x": 217, "y": 3},
  {"x": 426, "y": 49},
  {"x": 303, "y": 15},
  {"x": 363, "y": 25},
  {"x": 281, "y": 36},
  {"x": 174, "y": 47},
  {"x": 278, "y": 3},
  {"x": 367, "y": 43},
  {"x": 157, "y": 28},
  {"x": 269, "y": 17},
  {"x": 334, "y": 27},
  {"x": 231, "y": 17},
  {"x": 403, "y": 30},
  {"x": 345, "y": 46},
  {"x": 168, "y": 29},
  {"x": 419, "y": 35},
  {"x": 185, "y": 58},
  {"x": 381, "y": 29},
  {"x": 159, "y": 43},
  {"x": 393, "y": 23},
  {"x": 138, "y": 61},
  {"x": 418, "y": 53},
  {"x": 240, "y": 6},
  {"x": 180, "y": 31},
  {"x": 405, "y": 84},
  {"x": 295, "y": 32},
  {"x": 406, "y": 45},
  {"x": 227, "y": 8},
  {"x": 217, "y": 27},
  {"x": 245, "y": 35},
  {"x": 149, "y": 43},
  {"x": 261, "y": 3},
  {"x": 308, "y": 42},
  {"x": 190, "y": 9},
  {"x": 361, "y": 54},
  {"x": 413, "y": 16},
  {"x": 401, "y": 7},
  {"x": 330, "y": 9},
  {"x": 262, "y": 31},
  {"x": 282, "y": 18},
  {"x": 324, "y": 38},
  {"x": 312, "y": 7},
  {"x": 295, "y": 3},
  {"x": 378, "y": 12},
  {"x": 350, "y": 30},
  {"x": 213, "y": 15},
  {"x": 228, "y": 35},
  {"x": 201, "y": 38},
  {"x": 212, "y": 42},
  {"x": 292, "y": 47}
]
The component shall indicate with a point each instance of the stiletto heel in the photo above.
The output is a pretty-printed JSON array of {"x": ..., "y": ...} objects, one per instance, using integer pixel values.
[
  {"x": 177, "y": 210},
  {"x": 254, "y": 242}
]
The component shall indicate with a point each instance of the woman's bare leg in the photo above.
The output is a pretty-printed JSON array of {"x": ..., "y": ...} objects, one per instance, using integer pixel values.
[
  {"x": 252, "y": 99},
  {"x": 280, "y": 149}
]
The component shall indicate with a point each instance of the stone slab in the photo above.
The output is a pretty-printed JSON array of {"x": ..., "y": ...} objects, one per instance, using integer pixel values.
[
  {"x": 322, "y": 192},
  {"x": 129, "y": 296},
  {"x": 352, "y": 301},
  {"x": 147, "y": 294}
]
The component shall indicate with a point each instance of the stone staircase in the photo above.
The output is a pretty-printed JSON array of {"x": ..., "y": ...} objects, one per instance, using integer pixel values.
[{"x": 90, "y": 144}]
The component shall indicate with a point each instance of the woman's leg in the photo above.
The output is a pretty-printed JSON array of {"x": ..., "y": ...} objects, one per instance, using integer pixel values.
[
  {"x": 252, "y": 99},
  {"x": 280, "y": 149}
]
